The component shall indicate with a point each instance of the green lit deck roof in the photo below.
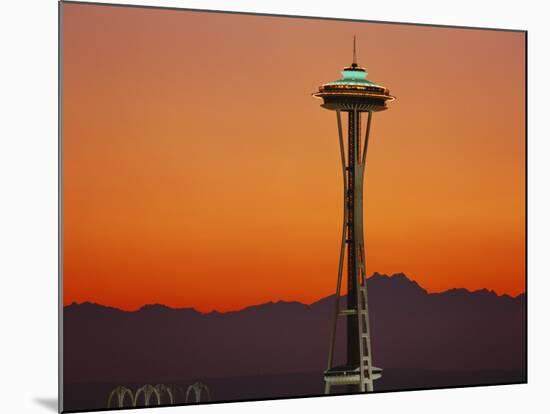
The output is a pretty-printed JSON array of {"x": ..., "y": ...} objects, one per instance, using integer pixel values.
[
  {"x": 353, "y": 77},
  {"x": 354, "y": 91}
]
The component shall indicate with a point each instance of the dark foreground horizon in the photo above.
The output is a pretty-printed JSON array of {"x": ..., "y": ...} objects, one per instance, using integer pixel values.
[
  {"x": 279, "y": 350},
  {"x": 86, "y": 396}
]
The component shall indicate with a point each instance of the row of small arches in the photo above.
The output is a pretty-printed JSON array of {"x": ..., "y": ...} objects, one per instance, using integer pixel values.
[{"x": 159, "y": 394}]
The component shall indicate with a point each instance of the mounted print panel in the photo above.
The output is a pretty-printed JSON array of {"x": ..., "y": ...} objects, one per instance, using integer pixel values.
[{"x": 257, "y": 207}]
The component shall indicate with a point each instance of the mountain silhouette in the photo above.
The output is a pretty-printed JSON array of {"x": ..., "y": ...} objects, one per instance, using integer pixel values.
[{"x": 420, "y": 339}]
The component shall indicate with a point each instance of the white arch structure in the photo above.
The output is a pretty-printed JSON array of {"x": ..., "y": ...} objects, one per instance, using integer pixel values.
[
  {"x": 197, "y": 388},
  {"x": 120, "y": 392},
  {"x": 148, "y": 391}
]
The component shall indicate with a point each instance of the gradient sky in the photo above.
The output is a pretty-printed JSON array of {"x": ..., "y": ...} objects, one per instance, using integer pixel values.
[{"x": 199, "y": 171}]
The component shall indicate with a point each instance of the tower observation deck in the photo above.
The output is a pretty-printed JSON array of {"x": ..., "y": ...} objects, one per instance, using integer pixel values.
[{"x": 355, "y": 96}]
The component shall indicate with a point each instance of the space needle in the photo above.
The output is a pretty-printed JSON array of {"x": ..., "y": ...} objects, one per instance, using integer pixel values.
[{"x": 356, "y": 97}]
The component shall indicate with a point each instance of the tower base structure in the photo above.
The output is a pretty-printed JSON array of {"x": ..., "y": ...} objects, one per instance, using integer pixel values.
[
  {"x": 358, "y": 373},
  {"x": 348, "y": 375}
]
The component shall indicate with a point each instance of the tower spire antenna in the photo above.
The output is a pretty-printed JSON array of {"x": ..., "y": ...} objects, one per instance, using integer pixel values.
[{"x": 354, "y": 52}]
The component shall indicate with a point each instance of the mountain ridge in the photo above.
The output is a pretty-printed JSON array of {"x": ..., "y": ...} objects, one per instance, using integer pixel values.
[{"x": 375, "y": 277}]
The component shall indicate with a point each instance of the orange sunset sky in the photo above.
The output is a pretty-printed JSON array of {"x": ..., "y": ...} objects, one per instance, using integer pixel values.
[{"x": 199, "y": 172}]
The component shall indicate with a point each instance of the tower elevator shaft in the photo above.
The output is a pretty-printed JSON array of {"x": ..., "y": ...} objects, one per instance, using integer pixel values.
[{"x": 353, "y": 237}]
